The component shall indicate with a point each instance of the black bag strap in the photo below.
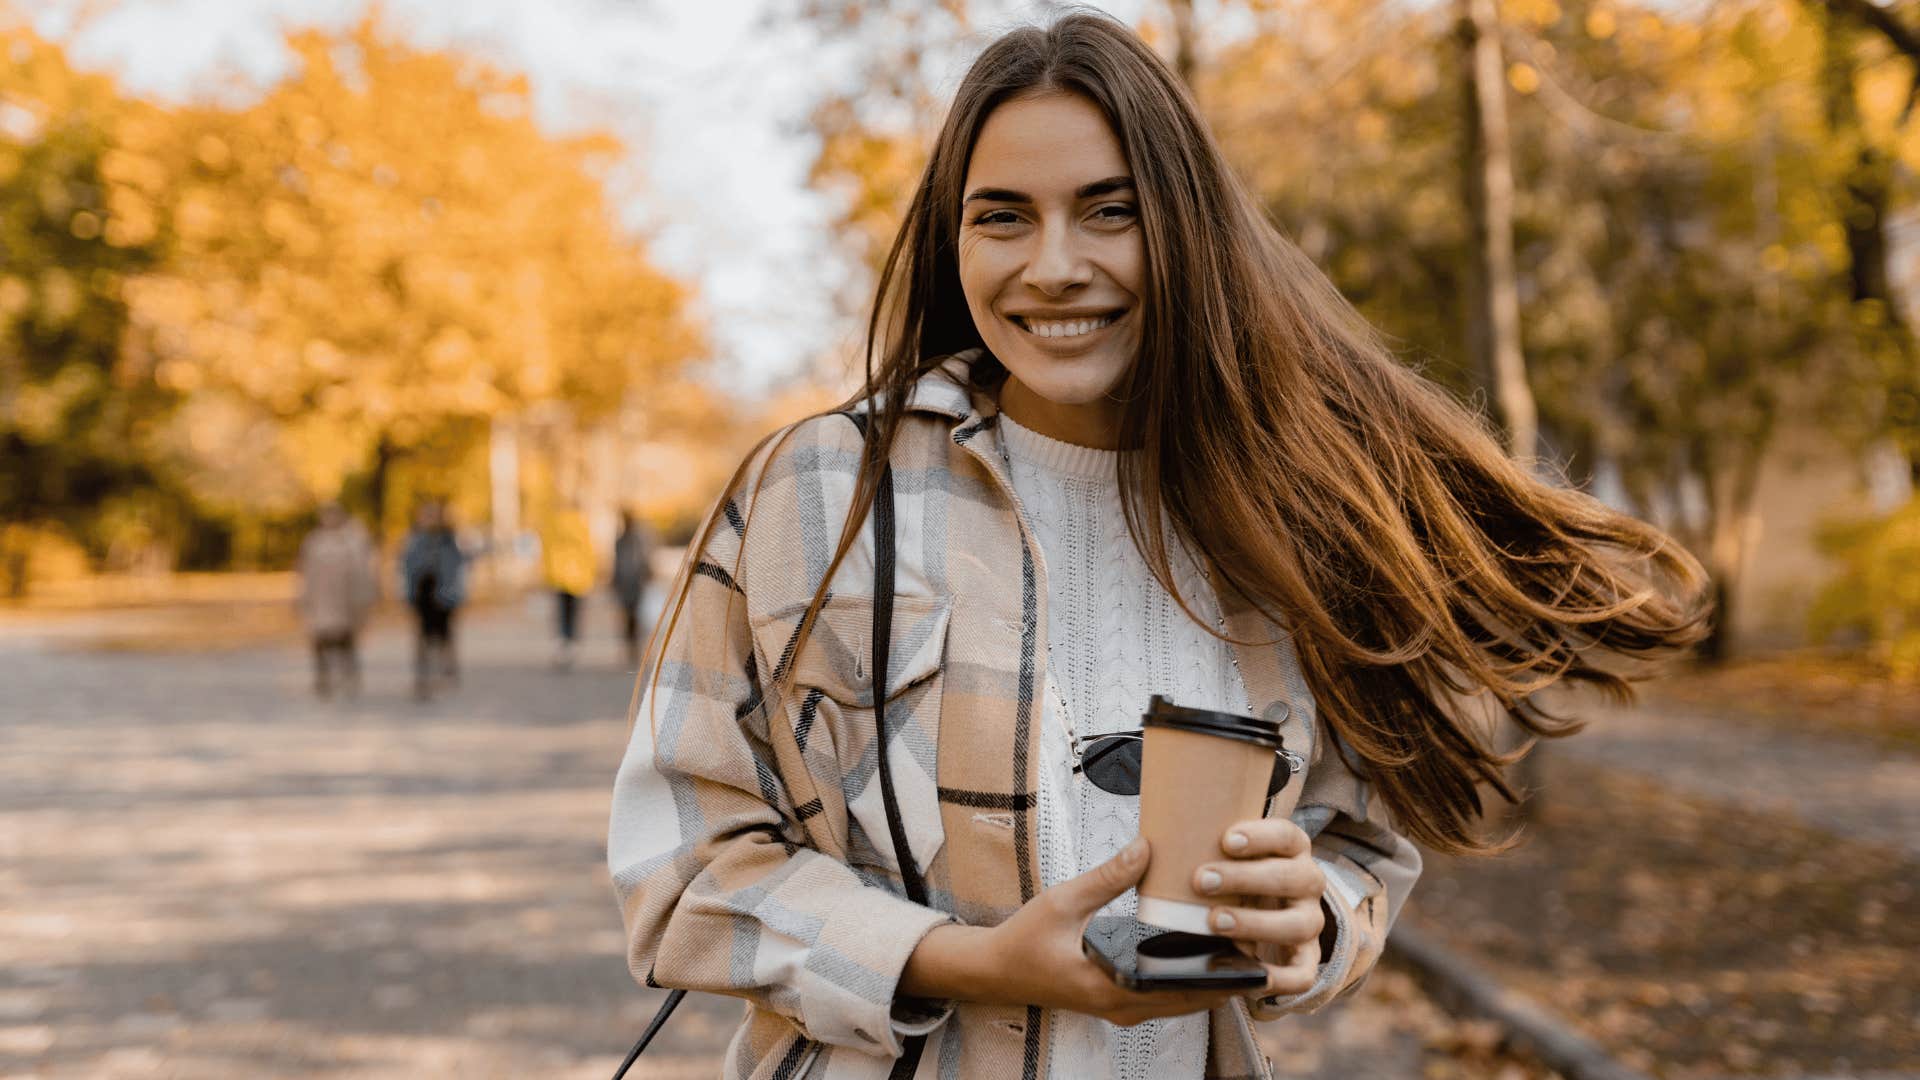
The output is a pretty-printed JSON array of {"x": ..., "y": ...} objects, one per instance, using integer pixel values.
[
  {"x": 883, "y": 556},
  {"x": 653, "y": 1028},
  {"x": 883, "y": 545},
  {"x": 882, "y": 635}
]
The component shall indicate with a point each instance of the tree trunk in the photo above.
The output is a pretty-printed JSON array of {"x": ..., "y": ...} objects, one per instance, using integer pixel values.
[
  {"x": 14, "y": 560},
  {"x": 1185, "y": 47},
  {"x": 1735, "y": 515},
  {"x": 384, "y": 453},
  {"x": 1865, "y": 201},
  {"x": 1493, "y": 304}
]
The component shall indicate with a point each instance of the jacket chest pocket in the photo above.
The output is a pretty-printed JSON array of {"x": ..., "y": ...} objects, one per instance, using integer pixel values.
[{"x": 834, "y": 685}]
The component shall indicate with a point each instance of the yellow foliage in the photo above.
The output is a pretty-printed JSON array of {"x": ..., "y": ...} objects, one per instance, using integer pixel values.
[
  {"x": 1878, "y": 589},
  {"x": 39, "y": 553},
  {"x": 386, "y": 243},
  {"x": 1530, "y": 13}
]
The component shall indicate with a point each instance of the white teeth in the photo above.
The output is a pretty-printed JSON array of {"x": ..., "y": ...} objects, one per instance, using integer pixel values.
[{"x": 1060, "y": 328}]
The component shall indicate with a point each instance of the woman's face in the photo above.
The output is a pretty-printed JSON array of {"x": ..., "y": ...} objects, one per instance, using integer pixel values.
[{"x": 1053, "y": 263}]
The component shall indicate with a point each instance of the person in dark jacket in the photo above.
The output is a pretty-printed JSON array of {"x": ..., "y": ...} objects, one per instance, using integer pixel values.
[
  {"x": 632, "y": 550},
  {"x": 433, "y": 578}
]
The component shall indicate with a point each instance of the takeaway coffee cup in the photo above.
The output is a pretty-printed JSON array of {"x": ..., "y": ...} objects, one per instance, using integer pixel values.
[{"x": 1201, "y": 771}]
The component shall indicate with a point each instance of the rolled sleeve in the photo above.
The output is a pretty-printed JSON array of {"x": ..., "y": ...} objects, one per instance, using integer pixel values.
[
  {"x": 849, "y": 995},
  {"x": 1370, "y": 871},
  {"x": 1353, "y": 952}
]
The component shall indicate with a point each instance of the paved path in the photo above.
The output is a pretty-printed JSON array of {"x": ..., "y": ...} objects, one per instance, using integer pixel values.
[
  {"x": 205, "y": 873},
  {"x": 1845, "y": 787}
]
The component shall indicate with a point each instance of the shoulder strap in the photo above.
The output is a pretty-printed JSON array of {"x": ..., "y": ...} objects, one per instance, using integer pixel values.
[
  {"x": 883, "y": 552},
  {"x": 882, "y": 637}
]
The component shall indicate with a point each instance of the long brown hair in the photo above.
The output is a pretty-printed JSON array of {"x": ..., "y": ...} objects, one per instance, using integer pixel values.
[{"x": 1421, "y": 573}]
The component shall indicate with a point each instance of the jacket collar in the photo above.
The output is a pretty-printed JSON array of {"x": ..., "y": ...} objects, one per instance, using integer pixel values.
[{"x": 946, "y": 390}]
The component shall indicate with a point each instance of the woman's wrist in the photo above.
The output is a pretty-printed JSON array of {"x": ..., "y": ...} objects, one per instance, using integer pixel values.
[{"x": 952, "y": 962}]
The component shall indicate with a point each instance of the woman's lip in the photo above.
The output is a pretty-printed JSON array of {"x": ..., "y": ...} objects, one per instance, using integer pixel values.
[{"x": 1116, "y": 314}]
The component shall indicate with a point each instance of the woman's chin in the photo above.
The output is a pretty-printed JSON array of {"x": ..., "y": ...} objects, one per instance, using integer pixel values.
[
  {"x": 1069, "y": 389},
  {"x": 1087, "y": 379}
]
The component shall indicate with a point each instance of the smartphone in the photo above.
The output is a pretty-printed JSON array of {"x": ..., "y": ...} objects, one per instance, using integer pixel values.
[{"x": 1141, "y": 957}]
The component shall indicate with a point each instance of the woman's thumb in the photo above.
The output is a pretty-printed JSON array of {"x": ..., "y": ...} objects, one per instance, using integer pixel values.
[{"x": 1093, "y": 889}]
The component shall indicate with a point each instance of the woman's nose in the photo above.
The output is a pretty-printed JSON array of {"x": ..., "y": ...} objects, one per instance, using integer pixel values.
[{"x": 1058, "y": 264}]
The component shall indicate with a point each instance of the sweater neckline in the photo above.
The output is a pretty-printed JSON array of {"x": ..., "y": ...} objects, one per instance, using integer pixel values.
[{"x": 1056, "y": 456}]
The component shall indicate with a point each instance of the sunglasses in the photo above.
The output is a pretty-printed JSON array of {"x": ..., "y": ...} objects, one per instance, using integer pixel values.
[{"x": 1112, "y": 762}]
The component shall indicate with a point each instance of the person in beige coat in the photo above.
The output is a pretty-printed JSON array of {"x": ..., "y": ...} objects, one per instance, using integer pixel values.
[{"x": 338, "y": 588}]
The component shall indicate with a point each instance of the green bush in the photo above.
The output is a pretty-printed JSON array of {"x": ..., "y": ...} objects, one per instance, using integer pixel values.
[{"x": 1877, "y": 592}]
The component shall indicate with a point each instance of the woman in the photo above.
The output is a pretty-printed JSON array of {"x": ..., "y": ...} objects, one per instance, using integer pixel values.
[
  {"x": 338, "y": 588},
  {"x": 567, "y": 563},
  {"x": 1138, "y": 444}
]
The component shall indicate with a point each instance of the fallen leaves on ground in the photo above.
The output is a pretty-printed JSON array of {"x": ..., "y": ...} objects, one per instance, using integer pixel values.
[{"x": 1690, "y": 938}]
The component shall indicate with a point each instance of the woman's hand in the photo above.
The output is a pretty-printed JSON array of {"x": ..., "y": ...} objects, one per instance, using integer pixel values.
[
  {"x": 1042, "y": 962},
  {"x": 1034, "y": 957},
  {"x": 1270, "y": 866}
]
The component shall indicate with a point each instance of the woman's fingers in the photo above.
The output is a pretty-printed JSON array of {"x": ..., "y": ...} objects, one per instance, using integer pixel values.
[
  {"x": 1282, "y": 926},
  {"x": 1296, "y": 878},
  {"x": 1296, "y": 976},
  {"x": 1077, "y": 898},
  {"x": 1265, "y": 836}
]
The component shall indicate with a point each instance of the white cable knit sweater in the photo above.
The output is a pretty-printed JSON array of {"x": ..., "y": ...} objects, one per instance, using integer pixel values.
[{"x": 1114, "y": 638}]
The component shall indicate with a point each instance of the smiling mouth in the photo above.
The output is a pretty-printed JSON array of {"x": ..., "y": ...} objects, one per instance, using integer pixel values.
[{"x": 1065, "y": 328}]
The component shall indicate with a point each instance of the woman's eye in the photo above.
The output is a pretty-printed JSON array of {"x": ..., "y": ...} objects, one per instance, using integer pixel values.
[
  {"x": 997, "y": 217},
  {"x": 1116, "y": 212}
]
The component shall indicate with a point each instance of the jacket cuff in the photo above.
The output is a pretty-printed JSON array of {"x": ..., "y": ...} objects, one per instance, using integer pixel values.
[
  {"x": 918, "y": 1016},
  {"x": 1342, "y": 900},
  {"x": 861, "y": 951}
]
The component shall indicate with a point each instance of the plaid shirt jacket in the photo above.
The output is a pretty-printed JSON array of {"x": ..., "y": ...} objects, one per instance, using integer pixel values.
[{"x": 748, "y": 845}]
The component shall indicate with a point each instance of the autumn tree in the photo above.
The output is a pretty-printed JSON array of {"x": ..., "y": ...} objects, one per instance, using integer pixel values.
[
  {"x": 1673, "y": 257},
  {"x": 1486, "y": 171},
  {"x": 77, "y": 220},
  {"x": 877, "y": 109},
  {"x": 378, "y": 258},
  {"x": 1869, "y": 108}
]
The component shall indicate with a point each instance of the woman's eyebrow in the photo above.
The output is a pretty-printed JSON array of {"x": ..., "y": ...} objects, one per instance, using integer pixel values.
[
  {"x": 1105, "y": 187},
  {"x": 1086, "y": 191},
  {"x": 996, "y": 195}
]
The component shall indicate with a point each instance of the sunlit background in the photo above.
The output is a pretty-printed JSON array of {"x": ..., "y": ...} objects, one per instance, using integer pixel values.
[{"x": 546, "y": 262}]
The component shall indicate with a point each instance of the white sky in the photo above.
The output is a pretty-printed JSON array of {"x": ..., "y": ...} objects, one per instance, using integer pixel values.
[{"x": 711, "y": 103}]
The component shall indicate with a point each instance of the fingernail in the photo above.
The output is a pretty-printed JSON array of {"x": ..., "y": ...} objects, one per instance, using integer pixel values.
[
  {"x": 1236, "y": 841},
  {"x": 1209, "y": 880},
  {"x": 1222, "y": 920},
  {"x": 1134, "y": 851}
]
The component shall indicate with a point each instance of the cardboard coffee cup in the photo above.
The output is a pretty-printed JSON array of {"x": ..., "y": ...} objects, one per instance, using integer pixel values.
[{"x": 1201, "y": 771}]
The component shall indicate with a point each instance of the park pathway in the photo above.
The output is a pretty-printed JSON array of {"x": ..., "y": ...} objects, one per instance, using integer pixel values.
[
  {"x": 206, "y": 873},
  {"x": 1843, "y": 786}
]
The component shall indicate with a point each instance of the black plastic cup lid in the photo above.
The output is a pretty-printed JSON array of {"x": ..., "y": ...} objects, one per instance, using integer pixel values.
[{"x": 1162, "y": 713}]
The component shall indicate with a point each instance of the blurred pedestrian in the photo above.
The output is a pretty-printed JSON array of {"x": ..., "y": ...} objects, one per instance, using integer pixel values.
[
  {"x": 568, "y": 565},
  {"x": 433, "y": 577},
  {"x": 632, "y": 552},
  {"x": 1120, "y": 439},
  {"x": 338, "y": 588}
]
